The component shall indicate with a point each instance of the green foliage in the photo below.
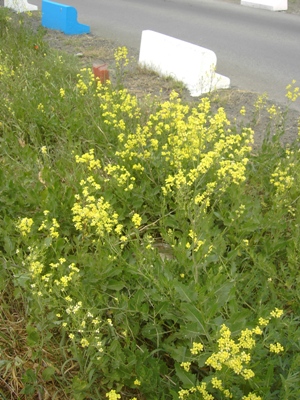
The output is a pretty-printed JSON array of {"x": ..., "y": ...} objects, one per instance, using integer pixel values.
[{"x": 142, "y": 245}]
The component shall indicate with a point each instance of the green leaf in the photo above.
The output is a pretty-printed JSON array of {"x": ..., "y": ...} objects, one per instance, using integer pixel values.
[
  {"x": 178, "y": 353},
  {"x": 79, "y": 385},
  {"x": 29, "y": 376},
  {"x": 224, "y": 293},
  {"x": 48, "y": 373},
  {"x": 192, "y": 314},
  {"x": 186, "y": 293},
  {"x": 33, "y": 336},
  {"x": 115, "y": 284},
  {"x": 8, "y": 245},
  {"x": 188, "y": 379}
]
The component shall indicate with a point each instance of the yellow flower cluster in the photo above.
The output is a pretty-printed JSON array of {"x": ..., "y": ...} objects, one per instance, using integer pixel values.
[
  {"x": 192, "y": 146},
  {"x": 217, "y": 384},
  {"x": 89, "y": 159},
  {"x": 282, "y": 177},
  {"x": 119, "y": 109},
  {"x": 202, "y": 389},
  {"x": 276, "y": 313},
  {"x": 251, "y": 396},
  {"x": 36, "y": 268},
  {"x": 40, "y": 107},
  {"x": 84, "y": 342},
  {"x": 261, "y": 101},
  {"x": 64, "y": 280},
  {"x": 197, "y": 347},
  {"x": 85, "y": 80},
  {"x": 120, "y": 56},
  {"x": 121, "y": 175},
  {"x": 137, "y": 220},
  {"x": 24, "y": 226},
  {"x": 6, "y": 71},
  {"x": 196, "y": 243},
  {"x": 51, "y": 226},
  {"x": 232, "y": 354},
  {"x": 293, "y": 92},
  {"x": 273, "y": 111},
  {"x": 276, "y": 348},
  {"x": 113, "y": 395},
  {"x": 186, "y": 365},
  {"x": 91, "y": 212}
]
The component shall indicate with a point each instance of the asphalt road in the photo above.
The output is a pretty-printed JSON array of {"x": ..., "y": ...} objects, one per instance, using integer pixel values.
[{"x": 258, "y": 50}]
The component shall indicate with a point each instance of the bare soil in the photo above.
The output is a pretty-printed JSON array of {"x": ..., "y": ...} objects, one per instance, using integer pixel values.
[{"x": 90, "y": 49}]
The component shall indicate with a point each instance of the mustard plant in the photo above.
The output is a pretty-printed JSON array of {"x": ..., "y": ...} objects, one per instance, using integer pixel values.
[{"x": 153, "y": 251}]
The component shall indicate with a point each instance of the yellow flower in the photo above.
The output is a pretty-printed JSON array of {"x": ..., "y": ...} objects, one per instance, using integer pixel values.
[
  {"x": 251, "y": 396},
  {"x": 276, "y": 313},
  {"x": 137, "y": 382},
  {"x": 263, "y": 321},
  {"x": 84, "y": 342},
  {"x": 40, "y": 107},
  {"x": 292, "y": 91},
  {"x": 137, "y": 220},
  {"x": 36, "y": 268},
  {"x": 276, "y": 348},
  {"x": 24, "y": 226},
  {"x": 120, "y": 56},
  {"x": 113, "y": 395},
  {"x": 227, "y": 394},
  {"x": 197, "y": 347},
  {"x": 183, "y": 394},
  {"x": 243, "y": 111},
  {"x": 216, "y": 383},
  {"x": 257, "y": 330},
  {"x": 186, "y": 365},
  {"x": 247, "y": 374}
]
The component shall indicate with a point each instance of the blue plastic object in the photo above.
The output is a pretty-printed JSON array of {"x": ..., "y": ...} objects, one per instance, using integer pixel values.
[{"x": 62, "y": 18}]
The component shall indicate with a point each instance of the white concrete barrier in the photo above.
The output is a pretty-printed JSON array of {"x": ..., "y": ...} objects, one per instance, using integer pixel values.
[
  {"x": 272, "y": 5},
  {"x": 20, "y": 5},
  {"x": 193, "y": 65}
]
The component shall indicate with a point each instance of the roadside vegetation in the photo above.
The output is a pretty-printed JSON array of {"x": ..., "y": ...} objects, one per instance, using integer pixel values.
[{"x": 148, "y": 250}]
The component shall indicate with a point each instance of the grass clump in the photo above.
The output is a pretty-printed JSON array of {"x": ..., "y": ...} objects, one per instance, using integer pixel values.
[{"x": 146, "y": 252}]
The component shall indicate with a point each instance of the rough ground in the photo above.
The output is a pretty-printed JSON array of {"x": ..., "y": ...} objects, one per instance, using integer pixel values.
[{"x": 91, "y": 49}]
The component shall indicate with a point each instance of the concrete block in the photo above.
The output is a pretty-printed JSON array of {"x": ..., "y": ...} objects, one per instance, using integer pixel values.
[
  {"x": 20, "y": 5},
  {"x": 62, "y": 18},
  {"x": 193, "y": 65},
  {"x": 272, "y": 5}
]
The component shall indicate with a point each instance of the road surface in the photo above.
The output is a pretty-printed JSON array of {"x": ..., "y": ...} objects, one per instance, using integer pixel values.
[{"x": 258, "y": 50}]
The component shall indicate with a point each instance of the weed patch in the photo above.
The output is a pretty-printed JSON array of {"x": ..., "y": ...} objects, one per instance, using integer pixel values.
[{"x": 148, "y": 251}]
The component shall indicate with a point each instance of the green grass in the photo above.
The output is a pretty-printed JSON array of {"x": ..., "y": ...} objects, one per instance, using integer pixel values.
[{"x": 147, "y": 251}]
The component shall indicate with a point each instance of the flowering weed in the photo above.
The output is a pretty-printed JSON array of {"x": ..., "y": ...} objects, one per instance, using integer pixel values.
[{"x": 154, "y": 252}]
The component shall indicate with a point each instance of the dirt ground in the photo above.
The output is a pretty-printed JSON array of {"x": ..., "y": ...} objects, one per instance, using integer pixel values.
[{"x": 90, "y": 49}]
